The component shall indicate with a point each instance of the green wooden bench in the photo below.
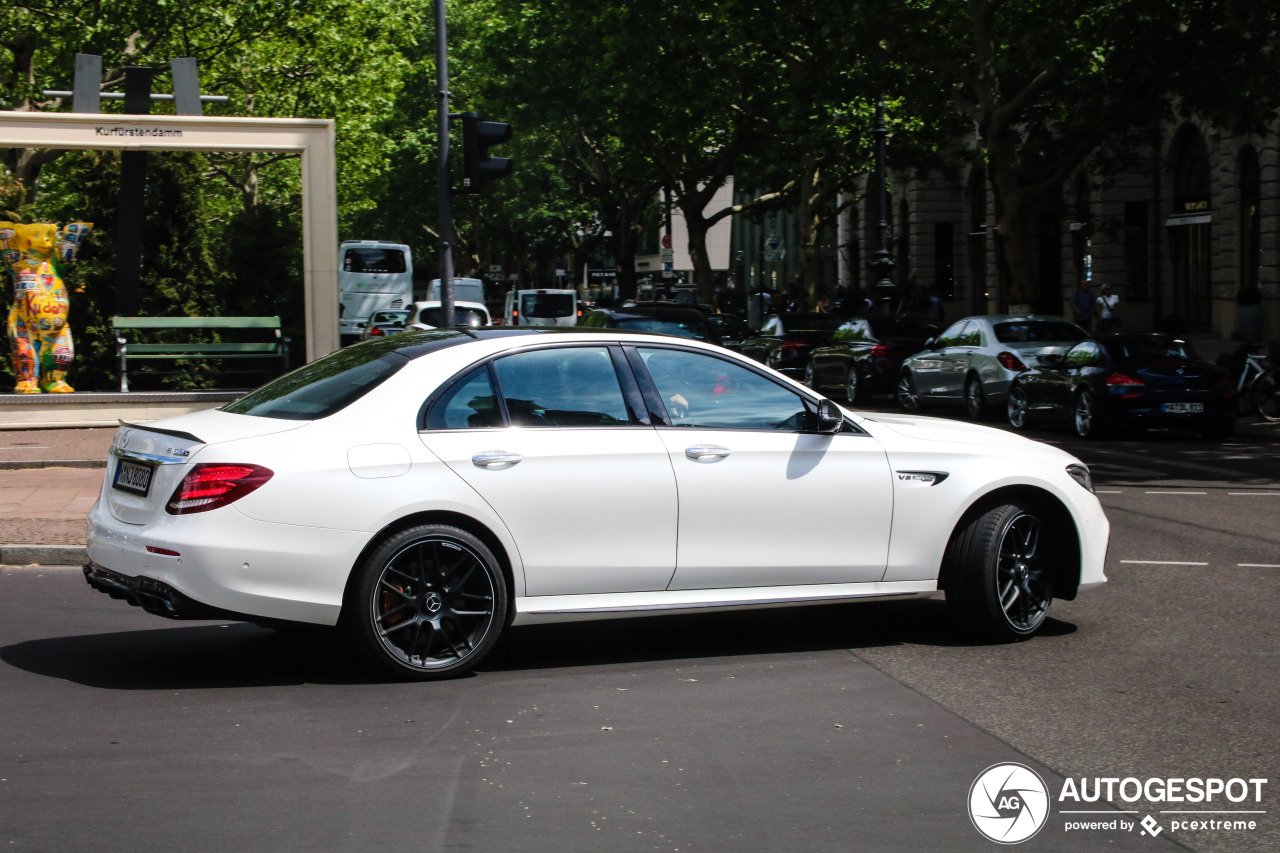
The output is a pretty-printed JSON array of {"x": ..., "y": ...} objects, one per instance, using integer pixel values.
[{"x": 277, "y": 347}]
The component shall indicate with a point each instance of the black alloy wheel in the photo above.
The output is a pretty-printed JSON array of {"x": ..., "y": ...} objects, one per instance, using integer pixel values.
[
  {"x": 975, "y": 402},
  {"x": 906, "y": 394},
  {"x": 1266, "y": 395},
  {"x": 1085, "y": 415},
  {"x": 853, "y": 390},
  {"x": 1000, "y": 573},
  {"x": 429, "y": 602},
  {"x": 1018, "y": 407}
]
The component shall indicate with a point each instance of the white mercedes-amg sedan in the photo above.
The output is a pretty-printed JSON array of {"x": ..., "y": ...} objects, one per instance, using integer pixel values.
[{"x": 424, "y": 491}]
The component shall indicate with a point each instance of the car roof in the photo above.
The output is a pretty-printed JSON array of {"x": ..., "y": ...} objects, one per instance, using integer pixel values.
[
  {"x": 415, "y": 343},
  {"x": 655, "y": 310},
  {"x": 457, "y": 303}
]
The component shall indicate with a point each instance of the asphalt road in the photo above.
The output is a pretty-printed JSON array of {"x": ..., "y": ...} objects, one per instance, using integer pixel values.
[{"x": 839, "y": 728}]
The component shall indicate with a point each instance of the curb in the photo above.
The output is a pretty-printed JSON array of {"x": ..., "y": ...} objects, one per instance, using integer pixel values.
[
  {"x": 13, "y": 556},
  {"x": 14, "y": 465}
]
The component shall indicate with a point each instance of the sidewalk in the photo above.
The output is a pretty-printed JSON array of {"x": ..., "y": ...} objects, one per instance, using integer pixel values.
[{"x": 49, "y": 479}]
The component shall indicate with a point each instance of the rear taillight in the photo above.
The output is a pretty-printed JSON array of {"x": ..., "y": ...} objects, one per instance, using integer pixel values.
[
  {"x": 788, "y": 346},
  {"x": 1123, "y": 379},
  {"x": 1009, "y": 361},
  {"x": 376, "y": 333},
  {"x": 211, "y": 485},
  {"x": 882, "y": 351}
]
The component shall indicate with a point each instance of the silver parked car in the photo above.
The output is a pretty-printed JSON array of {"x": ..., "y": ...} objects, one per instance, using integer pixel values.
[{"x": 974, "y": 359}]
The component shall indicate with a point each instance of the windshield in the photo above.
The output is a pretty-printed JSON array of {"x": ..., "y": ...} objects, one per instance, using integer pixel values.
[
  {"x": 1039, "y": 332},
  {"x": 373, "y": 260},
  {"x": 547, "y": 305},
  {"x": 324, "y": 386}
]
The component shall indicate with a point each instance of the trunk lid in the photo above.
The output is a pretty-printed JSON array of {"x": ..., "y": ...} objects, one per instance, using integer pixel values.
[{"x": 147, "y": 462}]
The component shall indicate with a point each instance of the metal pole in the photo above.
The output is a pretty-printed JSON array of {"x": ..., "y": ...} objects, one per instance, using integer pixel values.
[
  {"x": 882, "y": 261},
  {"x": 443, "y": 184}
]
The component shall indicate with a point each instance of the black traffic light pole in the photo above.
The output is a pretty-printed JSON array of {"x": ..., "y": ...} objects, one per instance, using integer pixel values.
[
  {"x": 443, "y": 183},
  {"x": 478, "y": 167}
]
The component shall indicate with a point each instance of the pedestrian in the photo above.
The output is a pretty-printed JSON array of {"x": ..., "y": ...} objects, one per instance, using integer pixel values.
[
  {"x": 1105, "y": 310},
  {"x": 1082, "y": 305}
]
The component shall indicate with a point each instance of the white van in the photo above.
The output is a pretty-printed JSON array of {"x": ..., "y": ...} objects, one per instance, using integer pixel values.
[
  {"x": 372, "y": 275},
  {"x": 541, "y": 308},
  {"x": 464, "y": 290}
]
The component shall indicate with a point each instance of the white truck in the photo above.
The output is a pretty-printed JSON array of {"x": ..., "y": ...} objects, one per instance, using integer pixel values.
[{"x": 373, "y": 274}]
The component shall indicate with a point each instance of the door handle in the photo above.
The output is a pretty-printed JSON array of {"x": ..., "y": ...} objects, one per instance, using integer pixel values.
[
  {"x": 495, "y": 459},
  {"x": 706, "y": 453}
]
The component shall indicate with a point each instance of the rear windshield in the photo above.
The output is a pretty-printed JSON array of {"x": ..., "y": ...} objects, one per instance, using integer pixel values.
[
  {"x": 680, "y": 329},
  {"x": 1155, "y": 348},
  {"x": 373, "y": 260},
  {"x": 547, "y": 305},
  {"x": 903, "y": 327},
  {"x": 469, "y": 317},
  {"x": 1039, "y": 331},
  {"x": 324, "y": 386},
  {"x": 811, "y": 322}
]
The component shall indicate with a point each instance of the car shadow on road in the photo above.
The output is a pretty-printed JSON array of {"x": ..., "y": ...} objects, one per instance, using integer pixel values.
[{"x": 238, "y": 655}]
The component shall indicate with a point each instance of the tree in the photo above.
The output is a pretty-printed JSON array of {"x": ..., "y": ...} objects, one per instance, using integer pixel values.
[{"x": 1046, "y": 83}]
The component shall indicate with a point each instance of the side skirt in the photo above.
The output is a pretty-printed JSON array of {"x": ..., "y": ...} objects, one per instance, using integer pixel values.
[{"x": 531, "y": 610}]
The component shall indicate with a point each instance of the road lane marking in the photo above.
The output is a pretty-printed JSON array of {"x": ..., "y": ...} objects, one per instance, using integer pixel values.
[
  {"x": 1168, "y": 492},
  {"x": 1162, "y": 563},
  {"x": 1254, "y": 494},
  {"x": 1259, "y": 565},
  {"x": 1108, "y": 491}
]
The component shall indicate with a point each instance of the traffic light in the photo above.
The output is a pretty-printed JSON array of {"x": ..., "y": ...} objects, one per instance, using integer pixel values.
[{"x": 478, "y": 167}]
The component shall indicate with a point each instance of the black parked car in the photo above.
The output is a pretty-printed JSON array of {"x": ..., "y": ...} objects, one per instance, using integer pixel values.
[
  {"x": 655, "y": 317},
  {"x": 785, "y": 340},
  {"x": 866, "y": 354},
  {"x": 1134, "y": 380},
  {"x": 731, "y": 328}
]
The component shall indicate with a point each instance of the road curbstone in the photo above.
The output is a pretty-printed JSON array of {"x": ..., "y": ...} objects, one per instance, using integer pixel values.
[{"x": 17, "y": 556}]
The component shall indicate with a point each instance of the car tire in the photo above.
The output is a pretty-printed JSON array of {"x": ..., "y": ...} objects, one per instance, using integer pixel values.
[
  {"x": 1084, "y": 415},
  {"x": 907, "y": 396},
  {"x": 1000, "y": 571},
  {"x": 854, "y": 389},
  {"x": 427, "y": 602},
  {"x": 1018, "y": 408},
  {"x": 975, "y": 402}
]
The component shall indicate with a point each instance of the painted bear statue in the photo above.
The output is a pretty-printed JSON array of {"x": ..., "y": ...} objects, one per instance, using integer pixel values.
[{"x": 39, "y": 336}]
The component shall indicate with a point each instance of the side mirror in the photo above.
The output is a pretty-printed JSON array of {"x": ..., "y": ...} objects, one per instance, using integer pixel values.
[
  {"x": 932, "y": 343},
  {"x": 1053, "y": 359},
  {"x": 830, "y": 420}
]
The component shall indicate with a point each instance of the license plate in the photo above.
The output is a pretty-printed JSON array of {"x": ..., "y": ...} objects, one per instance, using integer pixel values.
[
  {"x": 1182, "y": 408},
  {"x": 133, "y": 477}
]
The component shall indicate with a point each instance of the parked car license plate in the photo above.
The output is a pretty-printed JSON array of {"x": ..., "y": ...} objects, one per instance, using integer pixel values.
[
  {"x": 133, "y": 477},
  {"x": 1182, "y": 408}
]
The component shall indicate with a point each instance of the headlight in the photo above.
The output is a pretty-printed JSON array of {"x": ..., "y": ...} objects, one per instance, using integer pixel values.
[{"x": 1080, "y": 473}]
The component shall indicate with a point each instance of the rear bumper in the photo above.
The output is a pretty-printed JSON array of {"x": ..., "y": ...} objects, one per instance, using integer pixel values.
[{"x": 155, "y": 597}]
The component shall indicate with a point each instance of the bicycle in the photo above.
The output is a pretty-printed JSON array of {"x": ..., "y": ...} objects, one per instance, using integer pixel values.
[{"x": 1257, "y": 383}]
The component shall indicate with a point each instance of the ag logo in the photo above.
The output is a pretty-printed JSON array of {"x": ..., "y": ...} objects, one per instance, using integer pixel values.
[{"x": 1008, "y": 803}]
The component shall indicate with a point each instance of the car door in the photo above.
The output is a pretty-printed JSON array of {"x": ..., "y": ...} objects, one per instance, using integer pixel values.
[
  {"x": 764, "y": 500},
  {"x": 1058, "y": 390},
  {"x": 939, "y": 372},
  {"x": 585, "y": 487}
]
